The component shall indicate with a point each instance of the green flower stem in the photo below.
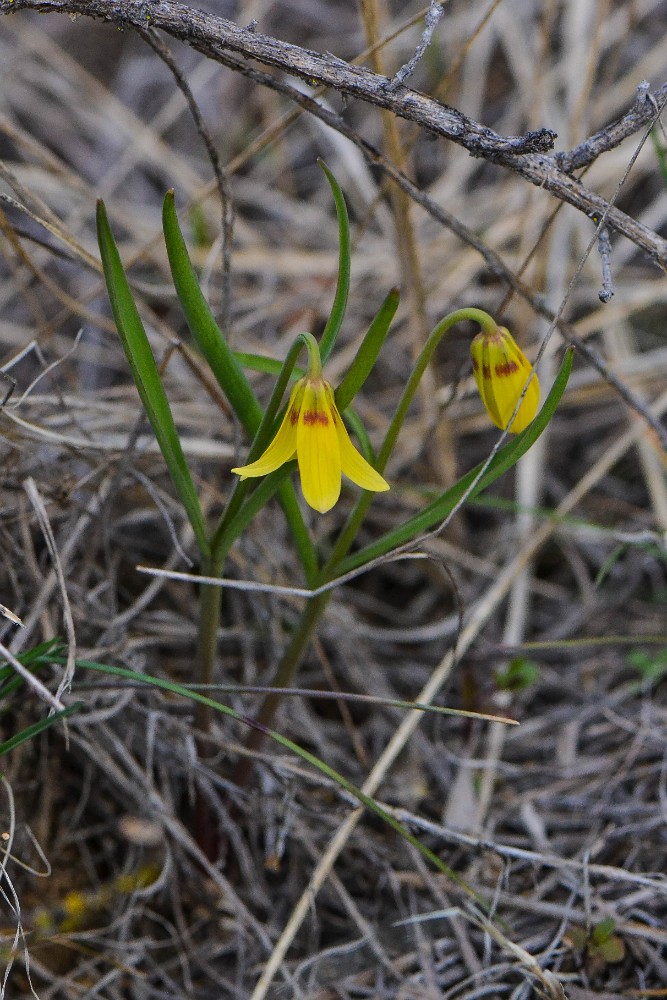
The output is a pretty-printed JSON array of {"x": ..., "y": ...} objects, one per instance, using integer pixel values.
[
  {"x": 210, "y": 601},
  {"x": 314, "y": 609},
  {"x": 226, "y": 368},
  {"x": 487, "y": 323},
  {"x": 351, "y": 529},
  {"x": 314, "y": 359},
  {"x": 234, "y": 520},
  {"x": 219, "y": 543}
]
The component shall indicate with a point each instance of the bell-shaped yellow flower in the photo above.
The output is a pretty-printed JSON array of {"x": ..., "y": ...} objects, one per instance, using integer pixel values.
[
  {"x": 501, "y": 371},
  {"x": 313, "y": 431}
]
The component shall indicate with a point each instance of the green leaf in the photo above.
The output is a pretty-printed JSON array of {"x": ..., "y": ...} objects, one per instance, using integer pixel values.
[
  {"x": 359, "y": 431},
  {"x": 367, "y": 354},
  {"x": 603, "y": 930},
  {"x": 38, "y": 727},
  {"x": 652, "y": 666},
  {"x": 146, "y": 376},
  {"x": 203, "y": 327},
  {"x": 264, "y": 364},
  {"x": 520, "y": 675},
  {"x": 661, "y": 156},
  {"x": 288, "y": 744},
  {"x": 226, "y": 368},
  {"x": 439, "y": 509},
  {"x": 39, "y": 656},
  {"x": 612, "y": 950},
  {"x": 337, "y": 314},
  {"x": 223, "y": 538}
]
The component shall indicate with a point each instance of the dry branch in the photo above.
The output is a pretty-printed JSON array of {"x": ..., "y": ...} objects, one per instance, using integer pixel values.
[{"x": 216, "y": 37}]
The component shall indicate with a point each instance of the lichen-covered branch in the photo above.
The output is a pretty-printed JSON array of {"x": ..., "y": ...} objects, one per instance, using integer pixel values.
[{"x": 526, "y": 155}]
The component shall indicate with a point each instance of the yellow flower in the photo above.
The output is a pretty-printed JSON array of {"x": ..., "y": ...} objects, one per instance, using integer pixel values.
[
  {"x": 501, "y": 372},
  {"x": 313, "y": 431}
]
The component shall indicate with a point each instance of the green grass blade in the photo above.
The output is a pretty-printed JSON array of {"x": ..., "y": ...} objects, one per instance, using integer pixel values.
[
  {"x": 339, "y": 306},
  {"x": 203, "y": 327},
  {"x": 146, "y": 376},
  {"x": 260, "y": 496},
  {"x": 660, "y": 153},
  {"x": 222, "y": 539},
  {"x": 283, "y": 741},
  {"x": 226, "y": 368},
  {"x": 261, "y": 363},
  {"x": 439, "y": 509},
  {"x": 367, "y": 354},
  {"x": 38, "y": 727}
]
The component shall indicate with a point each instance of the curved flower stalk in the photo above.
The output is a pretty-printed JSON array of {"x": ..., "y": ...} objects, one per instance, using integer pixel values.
[
  {"x": 313, "y": 432},
  {"x": 502, "y": 372}
]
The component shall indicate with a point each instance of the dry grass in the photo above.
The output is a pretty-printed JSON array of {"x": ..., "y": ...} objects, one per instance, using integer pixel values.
[{"x": 558, "y": 823}]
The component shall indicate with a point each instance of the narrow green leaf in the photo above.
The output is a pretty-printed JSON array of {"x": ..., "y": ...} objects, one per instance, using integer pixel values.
[
  {"x": 226, "y": 368},
  {"x": 146, "y": 376},
  {"x": 203, "y": 327},
  {"x": 367, "y": 354},
  {"x": 38, "y": 727},
  {"x": 260, "y": 496},
  {"x": 337, "y": 314},
  {"x": 612, "y": 950},
  {"x": 439, "y": 509},
  {"x": 283, "y": 741},
  {"x": 361, "y": 434},
  {"x": 603, "y": 930},
  {"x": 660, "y": 153},
  {"x": 222, "y": 539},
  {"x": 261, "y": 363}
]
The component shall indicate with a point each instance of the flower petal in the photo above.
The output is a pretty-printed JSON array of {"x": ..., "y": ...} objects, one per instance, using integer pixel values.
[
  {"x": 317, "y": 448},
  {"x": 283, "y": 446},
  {"x": 353, "y": 463},
  {"x": 501, "y": 371}
]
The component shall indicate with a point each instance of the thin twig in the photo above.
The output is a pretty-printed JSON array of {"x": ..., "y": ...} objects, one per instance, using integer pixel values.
[
  {"x": 224, "y": 189},
  {"x": 433, "y": 17},
  {"x": 480, "y": 614},
  {"x": 34, "y": 682},
  {"x": 217, "y": 37},
  {"x": 493, "y": 259},
  {"x": 604, "y": 248},
  {"x": 40, "y": 511}
]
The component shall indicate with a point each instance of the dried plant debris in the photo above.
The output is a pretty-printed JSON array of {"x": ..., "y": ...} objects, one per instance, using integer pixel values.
[{"x": 544, "y": 600}]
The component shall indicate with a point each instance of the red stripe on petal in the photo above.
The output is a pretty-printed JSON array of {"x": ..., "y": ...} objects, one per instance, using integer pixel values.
[
  {"x": 315, "y": 417},
  {"x": 506, "y": 368}
]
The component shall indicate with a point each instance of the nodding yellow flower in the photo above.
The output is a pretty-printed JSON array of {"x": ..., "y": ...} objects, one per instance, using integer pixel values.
[
  {"x": 501, "y": 372},
  {"x": 313, "y": 431}
]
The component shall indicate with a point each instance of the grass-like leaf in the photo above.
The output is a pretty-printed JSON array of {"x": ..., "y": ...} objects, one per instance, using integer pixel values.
[
  {"x": 264, "y": 364},
  {"x": 368, "y": 352},
  {"x": 39, "y": 656},
  {"x": 38, "y": 727},
  {"x": 339, "y": 306},
  {"x": 226, "y": 368},
  {"x": 203, "y": 327},
  {"x": 294, "y": 748},
  {"x": 147, "y": 377}
]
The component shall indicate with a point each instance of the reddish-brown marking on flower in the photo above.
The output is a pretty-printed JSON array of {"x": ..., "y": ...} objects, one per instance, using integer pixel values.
[
  {"x": 294, "y": 415},
  {"x": 315, "y": 417},
  {"x": 506, "y": 368}
]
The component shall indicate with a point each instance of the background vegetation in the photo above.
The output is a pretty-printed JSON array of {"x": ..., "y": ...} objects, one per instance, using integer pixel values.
[{"x": 544, "y": 600}]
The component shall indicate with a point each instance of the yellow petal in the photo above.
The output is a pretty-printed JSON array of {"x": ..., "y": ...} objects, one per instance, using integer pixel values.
[
  {"x": 353, "y": 463},
  {"x": 317, "y": 448},
  {"x": 283, "y": 446},
  {"x": 501, "y": 371}
]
